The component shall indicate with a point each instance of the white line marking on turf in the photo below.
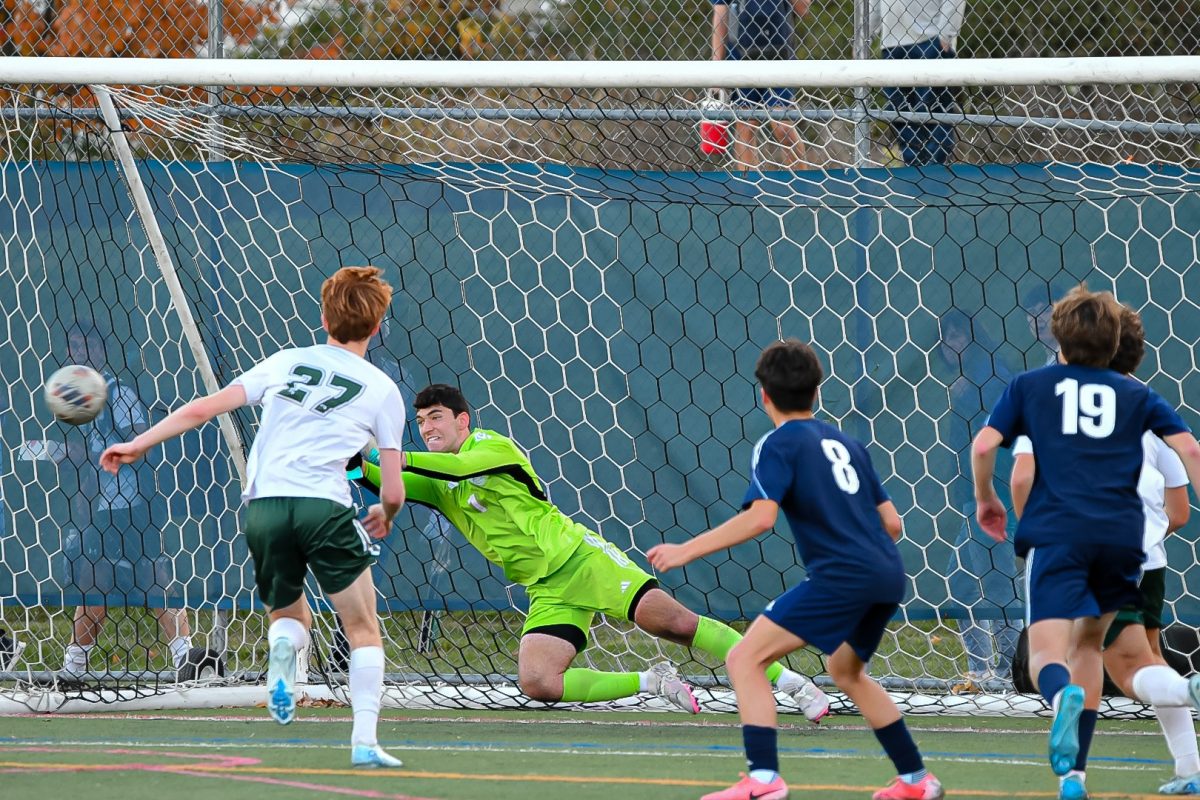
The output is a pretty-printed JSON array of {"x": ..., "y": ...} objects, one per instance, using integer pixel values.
[{"x": 500, "y": 748}]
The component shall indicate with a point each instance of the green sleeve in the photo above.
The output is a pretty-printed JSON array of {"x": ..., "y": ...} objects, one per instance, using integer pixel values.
[
  {"x": 417, "y": 488},
  {"x": 489, "y": 457}
]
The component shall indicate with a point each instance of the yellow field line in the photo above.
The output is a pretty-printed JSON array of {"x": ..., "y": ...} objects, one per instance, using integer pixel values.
[{"x": 578, "y": 779}]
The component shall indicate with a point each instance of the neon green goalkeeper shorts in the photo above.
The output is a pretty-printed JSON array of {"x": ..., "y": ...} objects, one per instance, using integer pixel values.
[{"x": 597, "y": 578}]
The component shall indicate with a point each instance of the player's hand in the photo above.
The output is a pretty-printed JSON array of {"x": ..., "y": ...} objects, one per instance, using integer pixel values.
[
  {"x": 118, "y": 455},
  {"x": 992, "y": 517},
  {"x": 376, "y": 523},
  {"x": 666, "y": 557}
]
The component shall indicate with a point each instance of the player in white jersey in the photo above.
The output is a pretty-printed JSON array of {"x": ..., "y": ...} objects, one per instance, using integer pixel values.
[
  {"x": 1132, "y": 641},
  {"x": 321, "y": 404}
]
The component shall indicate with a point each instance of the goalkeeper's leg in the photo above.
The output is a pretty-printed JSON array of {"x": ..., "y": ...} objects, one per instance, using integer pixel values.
[{"x": 659, "y": 614}]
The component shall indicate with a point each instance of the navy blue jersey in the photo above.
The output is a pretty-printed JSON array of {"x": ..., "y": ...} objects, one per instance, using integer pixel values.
[
  {"x": 1086, "y": 425},
  {"x": 830, "y": 493},
  {"x": 759, "y": 29}
]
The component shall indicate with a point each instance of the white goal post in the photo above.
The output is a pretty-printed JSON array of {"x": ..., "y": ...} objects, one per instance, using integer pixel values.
[{"x": 595, "y": 252}]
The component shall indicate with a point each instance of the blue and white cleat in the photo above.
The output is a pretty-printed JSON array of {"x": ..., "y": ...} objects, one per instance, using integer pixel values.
[
  {"x": 1181, "y": 784},
  {"x": 372, "y": 756},
  {"x": 1194, "y": 690},
  {"x": 281, "y": 682},
  {"x": 1064, "y": 731},
  {"x": 1072, "y": 787}
]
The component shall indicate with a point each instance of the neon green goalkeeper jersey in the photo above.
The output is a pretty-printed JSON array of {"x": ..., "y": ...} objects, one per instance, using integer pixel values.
[{"x": 489, "y": 491}]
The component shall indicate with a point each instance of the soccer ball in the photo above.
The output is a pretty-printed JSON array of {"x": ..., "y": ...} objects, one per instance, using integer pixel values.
[{"x": 76, "y": 394}]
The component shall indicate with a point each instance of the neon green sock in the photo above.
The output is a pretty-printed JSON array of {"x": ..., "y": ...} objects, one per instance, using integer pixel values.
[
  {"x": 717, "y": 639},
  {"x": 588, "y": 685}
]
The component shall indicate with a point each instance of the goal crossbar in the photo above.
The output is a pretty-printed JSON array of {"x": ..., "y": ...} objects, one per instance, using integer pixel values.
[{"x": 600, "y": 75}]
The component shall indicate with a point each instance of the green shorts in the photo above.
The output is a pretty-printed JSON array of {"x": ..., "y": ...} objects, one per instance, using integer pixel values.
[
  {"x": 1148, "y": 613},
  {"x": 288, "y": 536},
  {"x": 597, "y": 578}
]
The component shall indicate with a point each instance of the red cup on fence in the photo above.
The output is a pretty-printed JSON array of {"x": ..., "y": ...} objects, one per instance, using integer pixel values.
[{"x": 714, "y": 135}]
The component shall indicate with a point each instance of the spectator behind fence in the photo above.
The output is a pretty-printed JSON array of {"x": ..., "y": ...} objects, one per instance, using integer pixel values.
[
  {"x": 910, "y": 29},
  {"x": 759, "y": 30},
  {"x": 115, "y": 554}
]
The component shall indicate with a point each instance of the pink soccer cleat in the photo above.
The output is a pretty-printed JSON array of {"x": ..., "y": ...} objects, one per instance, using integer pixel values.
[
  {"x": 749, "y": 789},
  {"x": 928, "y": 788}
]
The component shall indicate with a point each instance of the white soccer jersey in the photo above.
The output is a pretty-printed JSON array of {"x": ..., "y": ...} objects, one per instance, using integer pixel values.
[
  {"x": 1161, "y": 470},
  {"x": 320, "y": 406}
]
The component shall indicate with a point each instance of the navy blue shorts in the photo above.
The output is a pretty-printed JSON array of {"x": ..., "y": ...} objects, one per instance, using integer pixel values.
[
  {"x": 1070, "y": 581},
  {"x": 771, "y": 98},
  {"x": 827, "y": 617}
]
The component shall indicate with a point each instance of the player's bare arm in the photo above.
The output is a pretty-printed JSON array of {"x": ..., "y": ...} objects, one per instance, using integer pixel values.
[
  {"x": 181, "y": 420},
  {"x": 890, "y": 518},
  {"x": 755, "y": 520},
  {"x": 1185, "y": 446},
  {"x": 1021, "y": 481},
  {"x": 1177, "y": 506},
  {"x": 391, "y": 494},
  {"x": 988, "y": 508}
]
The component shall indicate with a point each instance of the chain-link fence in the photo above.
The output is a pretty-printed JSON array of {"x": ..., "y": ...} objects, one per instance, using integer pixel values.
[{"x": 577, "y": 29}]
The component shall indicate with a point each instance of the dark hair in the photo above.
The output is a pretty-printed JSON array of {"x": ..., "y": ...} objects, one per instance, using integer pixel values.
[
  {"x": 1131, "y": 346},
  {"x": 790, "y": 373},
  {"x": 442, "y": 394},
  {"x": 1087, "y": 326}
]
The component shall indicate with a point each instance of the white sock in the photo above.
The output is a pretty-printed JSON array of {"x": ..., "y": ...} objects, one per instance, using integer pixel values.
[
  {"x": 290, "y": 629},
  {"x": 179, "y": 648},
  {"x": 764, "y": 775},
  {"x": 1157, "y": 685},
  {"x": 1073, "y": 773},
  {"x": 366, "y": 692},
  {"x": 787, "y": 677},
  {"x": 1180, "y": 733},
  {"x": 646, "y": 681},
  {"x": 75, "y": 659}
]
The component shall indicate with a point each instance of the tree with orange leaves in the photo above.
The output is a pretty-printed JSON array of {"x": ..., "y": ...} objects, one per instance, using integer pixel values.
[{"x": 142, "y": 28}]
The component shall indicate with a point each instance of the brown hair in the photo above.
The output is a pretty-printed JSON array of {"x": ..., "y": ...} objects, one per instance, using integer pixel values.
[
  {"x": 1087, "y": 326},
  {"x": 790, "y": 373},
  {"x": 354, "y": 301},
  {"x": 1131, "y": 347}
]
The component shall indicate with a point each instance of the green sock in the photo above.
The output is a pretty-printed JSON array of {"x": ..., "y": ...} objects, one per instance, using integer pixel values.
[
  {"x": 588, "y": 685},
  {"x": 717, "y": 639}
]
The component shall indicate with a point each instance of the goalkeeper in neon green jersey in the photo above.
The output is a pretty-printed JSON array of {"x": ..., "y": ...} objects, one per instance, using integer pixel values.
[{"x": 486, "y": 487}]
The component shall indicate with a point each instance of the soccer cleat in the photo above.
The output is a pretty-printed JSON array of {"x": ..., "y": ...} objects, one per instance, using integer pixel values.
[
  {"x": 928, "y": 788},
  {"x": 1072, "y": 788},
  {"x": 1181, "y": 784},
  {"x": 665, "y": 682},
  {"x": 749, "y": 789},
  {"x": 372, "y": 756},
  {"x": 281, "y": 681},
  {"x": 1194, "y": 690},
  {"x": 1064, "y": 731},
  {"x": 812, "y": 701}
]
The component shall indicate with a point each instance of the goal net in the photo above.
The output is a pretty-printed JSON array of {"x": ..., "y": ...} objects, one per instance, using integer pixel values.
[{"x": 595, "y": 253}]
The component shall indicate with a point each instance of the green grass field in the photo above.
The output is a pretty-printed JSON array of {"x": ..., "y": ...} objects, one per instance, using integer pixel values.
[{"x": 241, "y": 755}]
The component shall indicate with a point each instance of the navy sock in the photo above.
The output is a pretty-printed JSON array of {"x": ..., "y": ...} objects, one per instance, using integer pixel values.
[
  {"x": 761, "y": 751},
  {"x": 898, "y": 743},
  {"x": 1051, "y": 681},
  {"x": 1087, "y": 727}
]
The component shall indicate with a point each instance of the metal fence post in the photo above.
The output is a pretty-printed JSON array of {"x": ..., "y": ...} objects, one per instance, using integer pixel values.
[{"x": 862, "y": 50}]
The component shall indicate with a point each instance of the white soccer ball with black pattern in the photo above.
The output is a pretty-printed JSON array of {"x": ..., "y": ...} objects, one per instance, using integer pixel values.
[{"x": 76, "y": 394}]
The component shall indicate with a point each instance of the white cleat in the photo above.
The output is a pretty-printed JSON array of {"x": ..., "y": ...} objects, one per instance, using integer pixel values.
[
  {"x": 281, "y": 682},
  {"x": 813, "y": 702},
  {"x": 665, "y": 682},
  {"x": 372, "y": 756}
]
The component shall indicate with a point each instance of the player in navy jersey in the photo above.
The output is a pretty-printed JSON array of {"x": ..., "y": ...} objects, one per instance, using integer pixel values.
[
  {"x": 1081, "y": 530},
  {"x": 846, "y": 529},
  {"x": 1131, "y": 646}
]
